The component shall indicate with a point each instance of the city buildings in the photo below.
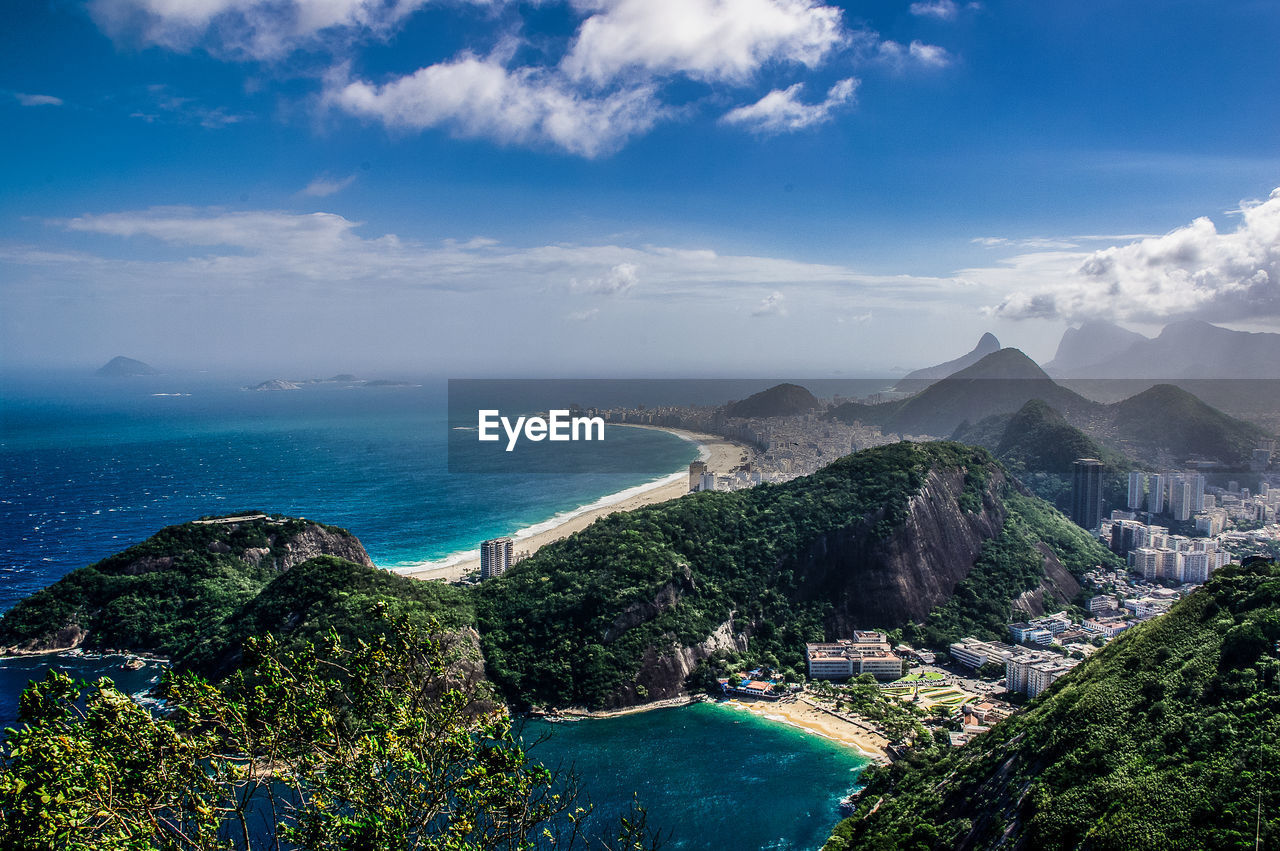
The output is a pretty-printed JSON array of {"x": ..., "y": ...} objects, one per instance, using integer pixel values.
[{"x": 1032, "y": 671}]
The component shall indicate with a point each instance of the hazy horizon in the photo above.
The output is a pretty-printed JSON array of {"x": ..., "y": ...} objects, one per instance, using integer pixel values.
[{"x": 629, "y": 188}]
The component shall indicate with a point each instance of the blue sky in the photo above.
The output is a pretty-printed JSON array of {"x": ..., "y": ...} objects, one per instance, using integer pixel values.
[{"x": 628, "y": 186}]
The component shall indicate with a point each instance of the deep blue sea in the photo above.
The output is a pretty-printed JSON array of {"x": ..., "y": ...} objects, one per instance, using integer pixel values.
[{"x": 89, "y": 467}]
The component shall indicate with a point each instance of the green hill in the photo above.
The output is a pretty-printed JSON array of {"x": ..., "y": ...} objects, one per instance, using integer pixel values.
[
  {"x": 934, "y": 537},
  {"x": 167, "y": 593},
  {"x": 1038, "y": 446},
  {"x": 1168, "y": 420},
  {"x": 782, "y": 400},
  {"x": 1167, "y": 738},
  {"x": 1000, "y": 383}
]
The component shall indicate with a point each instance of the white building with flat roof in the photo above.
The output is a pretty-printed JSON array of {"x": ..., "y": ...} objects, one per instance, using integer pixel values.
[{"x": 865, "y": 653}]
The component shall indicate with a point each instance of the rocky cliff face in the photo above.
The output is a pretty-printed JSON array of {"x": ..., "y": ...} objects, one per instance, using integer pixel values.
[
  {"x": 664, "y": 672},
  {"x": 889, "y": 581},
  {"x": 316, "y": 540}
]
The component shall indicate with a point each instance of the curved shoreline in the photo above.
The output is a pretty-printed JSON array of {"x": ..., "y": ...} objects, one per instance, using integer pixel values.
[{"x": 719, "y": 454}]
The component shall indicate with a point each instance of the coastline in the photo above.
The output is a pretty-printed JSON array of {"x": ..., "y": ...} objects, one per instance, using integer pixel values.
[
  {"x": 801, "y": 715},
  {"x": 806, "y": 717},
  {"x": 719, "y": 454}
]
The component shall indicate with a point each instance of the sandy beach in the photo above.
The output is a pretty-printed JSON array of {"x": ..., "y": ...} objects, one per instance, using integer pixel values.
[
  {"x": 813, "y": 720},
  {"x": 720, "y": 455}
]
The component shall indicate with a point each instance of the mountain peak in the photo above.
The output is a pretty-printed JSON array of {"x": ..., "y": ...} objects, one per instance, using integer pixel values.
[
  {"x": 986, "y": 345},
  {"x": 1096, "y": 340},
  {"x": 1004, "y": 364}
]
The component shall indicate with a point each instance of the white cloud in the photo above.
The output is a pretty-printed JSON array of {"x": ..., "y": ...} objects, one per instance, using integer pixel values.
[
  {"x": 37, "y": 100},
  {"x": 945, "y": 10},
  {"x": 584, "y": 315},
  {"x": 256, "y": 29},
  {"x": 478, "y": 97},
  {"x": 1193, "y": 271},
  {"x": 916, "y": 54},
  {"x": 781, "y": 111},
  {"x": 324, "y": 186},
  {"x": 774, "y": 304},
  {"x": 704, "y": 39},
  {"x": 619, "y": 280}
]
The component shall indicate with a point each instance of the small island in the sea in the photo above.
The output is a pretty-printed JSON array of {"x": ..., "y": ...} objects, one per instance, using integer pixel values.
[{"x": 123, "y": 367}]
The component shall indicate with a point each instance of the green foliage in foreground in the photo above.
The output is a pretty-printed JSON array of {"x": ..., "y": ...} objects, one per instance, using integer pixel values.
[
  {"x": 386, "y": 744},
  {"x": 1169, "y": 738}
]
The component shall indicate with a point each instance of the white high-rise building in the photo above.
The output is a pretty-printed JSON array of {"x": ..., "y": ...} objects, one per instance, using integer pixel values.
[
  {"x": 1181, "y": 499},
  {"x": 1137, "y": 489},
  {"x": 495, "y": 557},
  {"x": 1155, "y": 494}
]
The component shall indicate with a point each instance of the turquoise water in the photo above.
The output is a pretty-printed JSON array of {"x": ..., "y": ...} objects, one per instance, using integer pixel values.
[
  {"x": 88, "y": 468},
  {"x": 709, "y": 775}
]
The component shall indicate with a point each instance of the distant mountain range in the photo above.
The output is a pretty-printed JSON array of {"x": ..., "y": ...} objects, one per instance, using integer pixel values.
[
  {"x": 1092, "y": 343},
  {"x": 1187, "y": 349},
  {"x": 1163, "y": 425}
]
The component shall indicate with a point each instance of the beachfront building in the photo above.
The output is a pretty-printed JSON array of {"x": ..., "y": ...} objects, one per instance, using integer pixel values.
[
  {"x": 865, "y": 653},
  {"x": 973, "y": 653},
  {"x": 495, "y": 557}
]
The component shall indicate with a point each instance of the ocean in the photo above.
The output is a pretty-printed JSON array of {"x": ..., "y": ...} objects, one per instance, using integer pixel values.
[{"x": 89, "y": 467}]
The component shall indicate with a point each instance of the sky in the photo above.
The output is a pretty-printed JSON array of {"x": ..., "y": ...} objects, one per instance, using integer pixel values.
[{"x": 627, "y": 187}]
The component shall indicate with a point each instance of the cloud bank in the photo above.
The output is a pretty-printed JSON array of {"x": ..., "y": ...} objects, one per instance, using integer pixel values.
[{"x": 1193, "y": 271}]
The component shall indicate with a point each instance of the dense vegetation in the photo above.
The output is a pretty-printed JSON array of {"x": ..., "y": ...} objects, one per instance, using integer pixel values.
[
  {"x": 573, "y": 624},
  {"x": 391, "y": 743},
  {"x": 161, "y": 594},
  {"x": 1038, "y": 446},
  {"x": 578, "y": 622},
  {"x": 1168, "y": 419},
  {"x": 1009, "y": 565},
  {"x": 1167, "y": 738},
  {"x": 195, "y": 591}
]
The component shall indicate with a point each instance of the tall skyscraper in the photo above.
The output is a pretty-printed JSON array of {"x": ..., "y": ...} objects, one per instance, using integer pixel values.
[
  {"x": 1155, "y": 494},
  {"x": 1137, "y": 489},
  {"x": 495, "y": 557},
  {"x": 1181, "y": 500},
  {"x": 1086, "y": 493}
]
